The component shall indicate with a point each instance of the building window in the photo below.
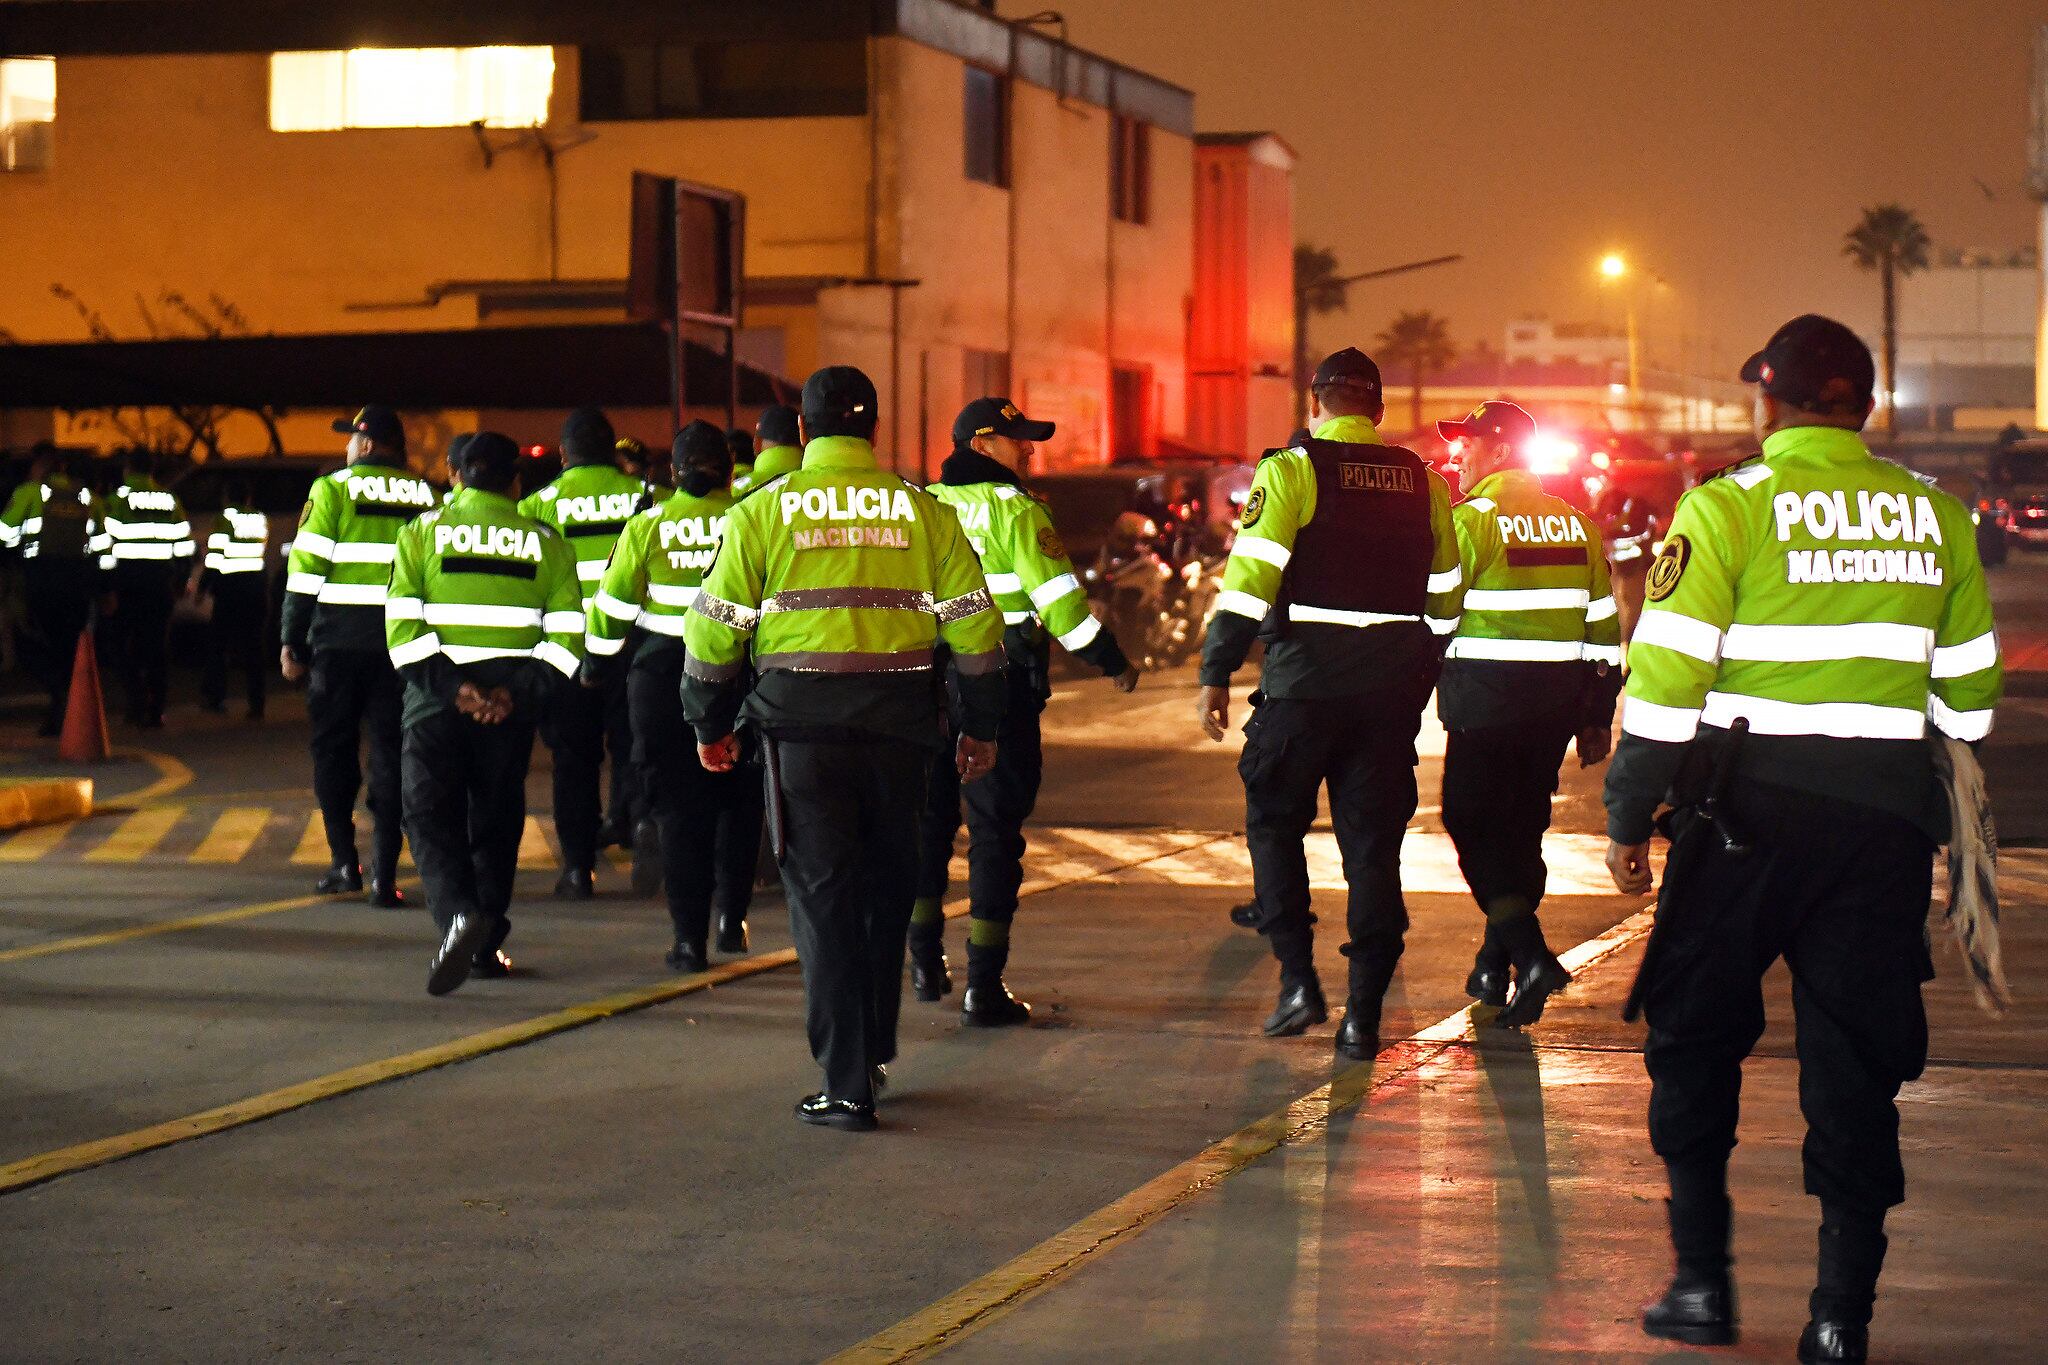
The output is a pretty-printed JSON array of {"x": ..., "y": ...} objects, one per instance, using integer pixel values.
[
  {"x": 1130, "y": 401},
  {"x": 421, "y": 87},
  {"x": 809, "y": 79},
  {"x": 1130, "y": 169},
  {"x": 28, "y": 112},
  {"x": 988, "y": 127},
  {"x": 984, "y": 374}
]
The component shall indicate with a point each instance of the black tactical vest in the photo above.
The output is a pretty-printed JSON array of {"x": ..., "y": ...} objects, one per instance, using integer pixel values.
[{"x": 1370, "y": 544}]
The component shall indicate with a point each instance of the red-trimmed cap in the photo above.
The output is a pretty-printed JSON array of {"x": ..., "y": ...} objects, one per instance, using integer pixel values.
[{"x": 1489, "y": 422}]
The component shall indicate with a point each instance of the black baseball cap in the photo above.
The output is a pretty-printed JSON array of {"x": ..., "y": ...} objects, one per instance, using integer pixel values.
[
  {"x": 1349, "y": 368},
  {"x": 380, "y": 424},
  {"x": 777, "y": 426},
  {"x": 1493, "y": 421},
  {"x": 490, "y": 457},
  {"x": 1816, "y": 364},
  {"x": 997, "y": 417},
  {"x": 840, "y": 391}
]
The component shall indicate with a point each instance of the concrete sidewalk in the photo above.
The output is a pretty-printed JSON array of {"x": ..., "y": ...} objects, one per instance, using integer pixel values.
[{"x": 1500, "y": 1202}]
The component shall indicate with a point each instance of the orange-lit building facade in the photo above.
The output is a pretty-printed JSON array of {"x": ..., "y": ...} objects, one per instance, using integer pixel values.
[
  {"x": 1241, "y": 329},
  {"x": 955, "y": 203}
]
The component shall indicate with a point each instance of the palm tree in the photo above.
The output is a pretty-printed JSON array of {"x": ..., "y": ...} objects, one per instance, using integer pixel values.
[
  {"x": 1422, "y": 342},
  {"x": 1318, "y": 289},
  {"x": 1891, "y": 241}
]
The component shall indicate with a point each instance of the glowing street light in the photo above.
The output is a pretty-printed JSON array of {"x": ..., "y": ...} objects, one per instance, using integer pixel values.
[
  {"x": 1613, "y": 266},
  {"x": 1614, "y": 269}
]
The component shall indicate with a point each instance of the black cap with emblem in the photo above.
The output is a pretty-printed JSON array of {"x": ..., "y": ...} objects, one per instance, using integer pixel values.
[
  {"x": 380, "y": 424},
  {"x": 1817, "y": 365},
  {"x": 997, "y": 417},
  {"x": 1349, "y": 368},
  {"x": 1491, "y": 421}
]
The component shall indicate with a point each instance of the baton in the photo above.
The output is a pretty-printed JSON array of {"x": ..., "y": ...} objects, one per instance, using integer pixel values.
[{"x": 771, "y": 760}]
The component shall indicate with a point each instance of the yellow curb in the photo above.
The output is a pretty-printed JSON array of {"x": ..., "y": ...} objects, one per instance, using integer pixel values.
[{"x": 44, "y": 801}]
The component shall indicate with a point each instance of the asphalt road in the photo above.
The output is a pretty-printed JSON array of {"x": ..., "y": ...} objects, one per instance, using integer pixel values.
[{"x": 383, "y": 1174}]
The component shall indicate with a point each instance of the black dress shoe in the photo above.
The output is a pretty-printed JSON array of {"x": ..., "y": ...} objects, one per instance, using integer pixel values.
[
  {"x": 878, "y": 1077},
  {"x": 732, "y": 934},
  {"x": 575, "y": 884},
  {"x": 457, "y": 954},
  {"x": 1301, "y": 1006},
  {"x": 1823, "y": 1340},
  {"x": 1358, "y": 1037},
  {"x": 992, "y": 1006},
  {"x": 647, "y": 859},
  {"x": 849, "y": 1116},
  {"x": 491, "y": 966},
  {"x": 1245, "y": 916},
  {"x": 1696, "y": 1311},
  {"x": 1535, "y": 985},
  {"x": 340, "y": 880},
  {"x": 687, "y": 957},
  {"x": 929, "y": 979},
  {"x": 614, "y": 833},
  {"x": 1488, "y": 983},
  {"x": 386, "y": 895}
]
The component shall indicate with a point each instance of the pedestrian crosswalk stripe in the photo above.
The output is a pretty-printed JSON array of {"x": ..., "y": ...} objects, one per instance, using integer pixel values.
[
  {"x": 232, "y": 835},
  {"x": 136, "y": 836},
  {"x": 535, "y": 849},
  {"x": 1429, "y": 865},
  {"x": 28, "y": 845},
  {"x": 312, "y": 849}
]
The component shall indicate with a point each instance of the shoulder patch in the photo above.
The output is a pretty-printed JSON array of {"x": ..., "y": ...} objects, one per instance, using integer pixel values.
[
  {"x": 1254, "y": 508},
  {"x": 1004, "y": 490},
  {"x": 1669, "y": 568},
  {"x": 1737, "y": 470},
  {"x": 340, "y": 475},
  {"x": 1050, "y": 544}
]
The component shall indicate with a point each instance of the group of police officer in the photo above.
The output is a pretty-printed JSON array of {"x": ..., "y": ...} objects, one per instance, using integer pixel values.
[
  {"x": 132, "y": 554},
  {"x": 867, "y": 651}
]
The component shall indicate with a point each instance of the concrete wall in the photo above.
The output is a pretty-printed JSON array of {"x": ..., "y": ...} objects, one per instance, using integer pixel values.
[{"x": 1241, "y": 333}]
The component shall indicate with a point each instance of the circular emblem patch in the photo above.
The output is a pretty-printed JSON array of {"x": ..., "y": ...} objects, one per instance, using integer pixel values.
[
  {"x": 1253, "y": 505},
  {"x": 1665, "y": 573},
  {"x": 1049, "y": 543}
]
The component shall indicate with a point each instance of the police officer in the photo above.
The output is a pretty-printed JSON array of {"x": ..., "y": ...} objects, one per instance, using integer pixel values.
[
  {"x": 484, "y": 622},
  {"x": 589, "y": 504},
  {"x": 1352, "y": 540},
  {"x": 1816, "y": 617},
  {"x": 781, "y": 449},
  {"x": 1041, "y": 600},
  {"x": 707, "y": 824},
  {"x": 333, "y": 630},
  {"x": 149, "y": 554},
  {"x": 235, "y": 575},
  {"x": 1535, "y": 666},
  {"x": 844, "y": 579},
  {"x": 53, "y": 524}
]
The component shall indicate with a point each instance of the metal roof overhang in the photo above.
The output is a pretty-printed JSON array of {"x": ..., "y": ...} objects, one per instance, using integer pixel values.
[{"x": 610, "y": 364}]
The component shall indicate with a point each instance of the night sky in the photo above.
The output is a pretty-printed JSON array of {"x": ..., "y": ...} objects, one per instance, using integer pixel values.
[{"x": 1724, "y": 144}]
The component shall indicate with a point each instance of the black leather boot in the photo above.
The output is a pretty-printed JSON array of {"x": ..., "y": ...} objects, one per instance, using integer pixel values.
[
  {"x": 1698, "y": 1310},
  {"x": 1299, "y": 1008},
  {"x": 929, "y": 978},
  {"x": 1488, "y": 983},
  {"x": 987, "y": 1002},
  {"x": 341, "y": 879},
  {"x": 1358, "y": 1037},
  {"x": 575, "y": 884},
  {"x": 732, "y": 932},
  {"x": 1699, "y": 1307},
  {"x": 1833, "y": 1341},
  {"x": 1852, "y": 1249}
]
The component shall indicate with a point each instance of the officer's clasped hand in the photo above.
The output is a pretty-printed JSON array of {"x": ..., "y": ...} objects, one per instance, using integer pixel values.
[
  {"x": 1629, "y": 865},
  {"x": 720, "y": 756},
  {"x": 485, "y": 708},
  {"x": 974, "y": 757}
]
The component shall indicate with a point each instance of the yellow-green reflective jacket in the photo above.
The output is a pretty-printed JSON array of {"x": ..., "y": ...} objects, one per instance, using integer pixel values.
[
  {"x": 841, "y": 581},
  {"x": 654, "y": 575},
  {"x": 342, "y": 553},
  {"x": 590, "y": 505}
]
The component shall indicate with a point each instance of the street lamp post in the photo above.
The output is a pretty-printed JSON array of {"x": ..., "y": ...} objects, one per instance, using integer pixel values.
[{"x": 1613, "y": 270}]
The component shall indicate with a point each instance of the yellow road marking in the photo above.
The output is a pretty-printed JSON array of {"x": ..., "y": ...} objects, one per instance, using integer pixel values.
[
  {"x": 32, "y": 843},
  {"x": 35, "y": 1170},
  {"x": 969, "y": 1309},
  {"x": 535, "y": 851},
  {"x": 312, "y": 849},
  {"x": 170, "y": 926},
  {"x": 232, "y": 835},
  {"x": 136, "y": 835},
  {"x": 171, "y": 775}
]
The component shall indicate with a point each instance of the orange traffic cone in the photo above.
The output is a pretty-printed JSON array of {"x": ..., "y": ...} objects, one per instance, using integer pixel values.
[{"x": 85, "y": 711}]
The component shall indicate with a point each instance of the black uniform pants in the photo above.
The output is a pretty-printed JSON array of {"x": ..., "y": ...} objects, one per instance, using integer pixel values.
[
  {"x": 59, "y": 608},
  {"x": 580, "y": 724},
  {"x": 710, "y": 822},
  {"x": 1841, "y": 893},
  {"x": 238, "y": 636},
  {"x": 997, "y": 807},
  {"x": 142, "y": 624},
  {"x": 354, "y": 695},
  {"x": 849, "y": 868},
  {"x": 1496, "y": 807},
  {"x": 465, "y": 810},
  {"x": 1363, "y": 749}
]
